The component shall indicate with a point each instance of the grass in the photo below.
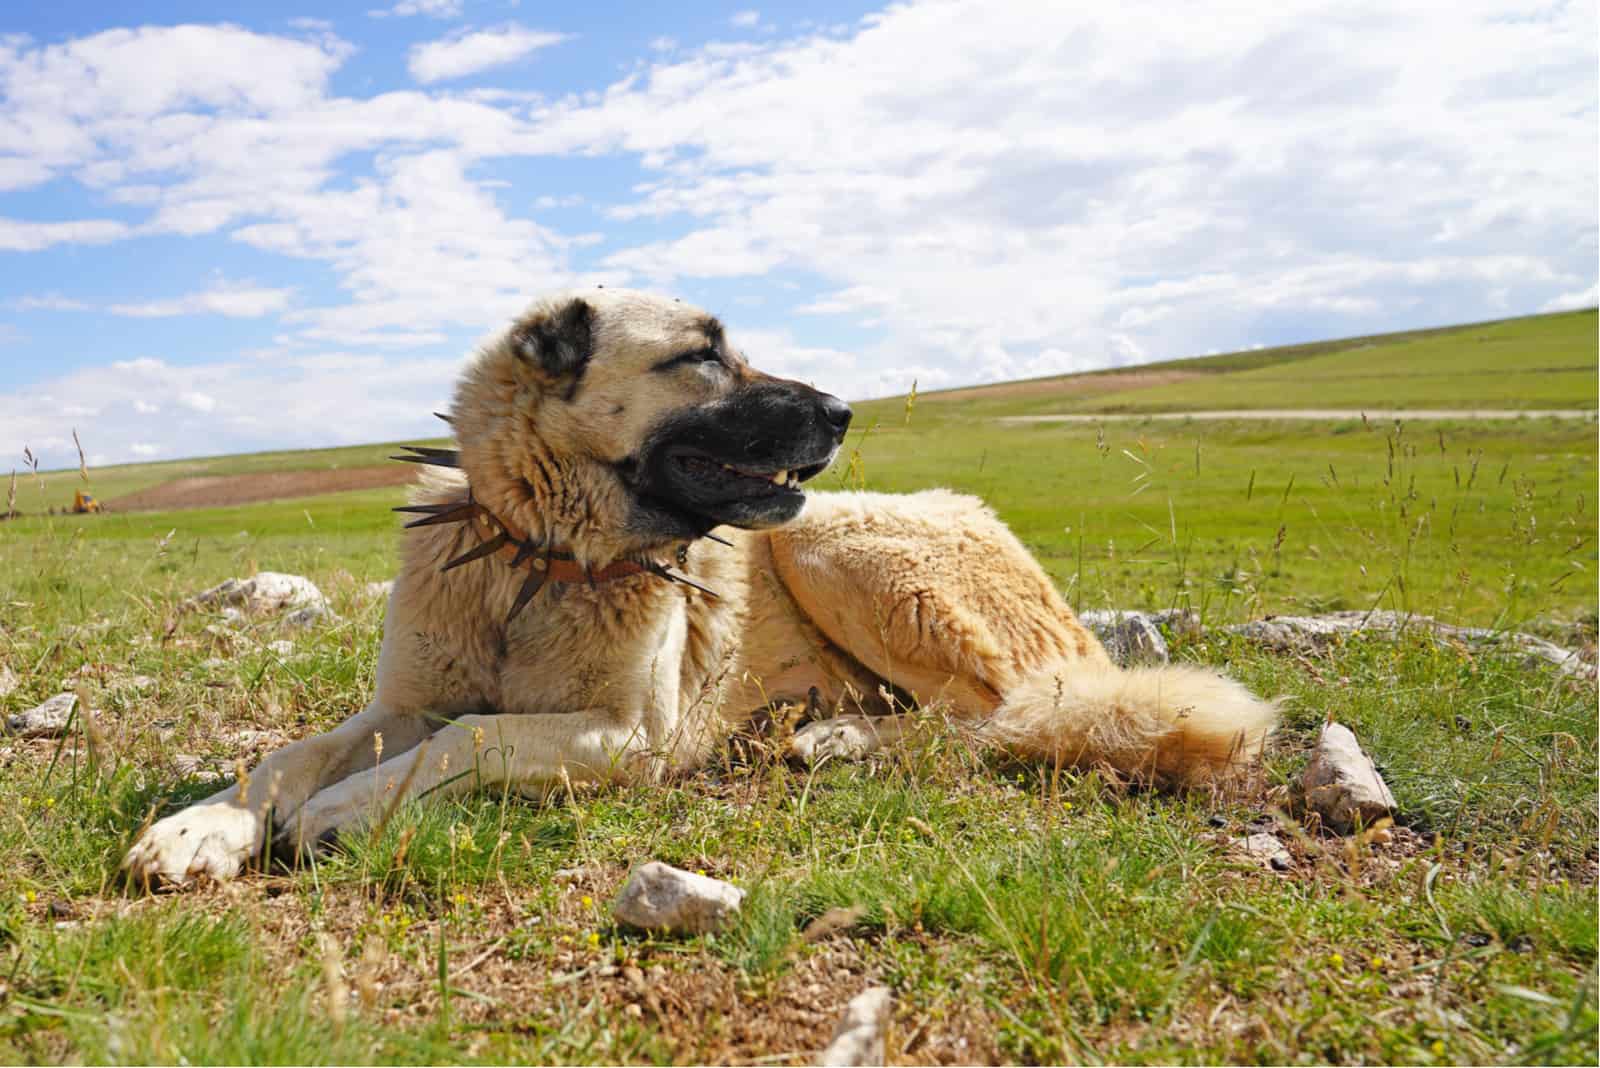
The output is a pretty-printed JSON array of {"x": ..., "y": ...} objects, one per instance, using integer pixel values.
[{"x": 1019, "y": 915}]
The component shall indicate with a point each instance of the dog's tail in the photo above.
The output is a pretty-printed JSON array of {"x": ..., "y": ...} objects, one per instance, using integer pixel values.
[{"x": 1173, "y": 723}]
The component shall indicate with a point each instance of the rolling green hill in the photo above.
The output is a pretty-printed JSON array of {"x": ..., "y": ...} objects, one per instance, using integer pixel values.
[{"x": 1538, "y": 362}]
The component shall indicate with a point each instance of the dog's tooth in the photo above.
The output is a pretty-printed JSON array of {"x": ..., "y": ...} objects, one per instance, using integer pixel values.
[{"x": 780, "y": 478}]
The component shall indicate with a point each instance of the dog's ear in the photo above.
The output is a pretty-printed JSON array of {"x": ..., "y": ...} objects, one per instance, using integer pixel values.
[{"x": 560, "y": 342}]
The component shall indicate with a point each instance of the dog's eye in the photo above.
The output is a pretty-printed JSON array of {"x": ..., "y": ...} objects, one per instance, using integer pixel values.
[{"x": 698, "y": 356}]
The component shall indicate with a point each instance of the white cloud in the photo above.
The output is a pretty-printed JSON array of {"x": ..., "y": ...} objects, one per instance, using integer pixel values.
[
  {"x": 1586, "y": 298},
  {"x": 18, "y": 235},
  {"x": 745, "y": 19},
  {"x": 234, "y": 300},
  {"x": 419, "y": 246},
  {"x": 50, "y": 302},
  {"x": 1118, "y": 187},
  {"x": 460, "y": 55},
  {"x": 230, "y": 406},
  {"x": 436, "y": 9}
]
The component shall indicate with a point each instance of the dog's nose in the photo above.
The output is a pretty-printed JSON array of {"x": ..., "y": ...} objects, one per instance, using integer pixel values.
[{"x": 837, "y": 412}]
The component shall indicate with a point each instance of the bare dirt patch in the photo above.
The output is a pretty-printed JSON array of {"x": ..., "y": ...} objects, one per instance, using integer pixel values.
[{"x": 214, "y": 491}]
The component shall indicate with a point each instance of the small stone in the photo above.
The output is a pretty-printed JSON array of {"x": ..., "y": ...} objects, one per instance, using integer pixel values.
[
  {"x": 1129, "y": 637},
  {"x": 198, "y": 768},
  {"x": 859, "y": 1037},
  {"x": 304, "y": 617},
  {"x": 266, "y": 591},
  {"x": 659, "y": 897},
  {"x": 633, "y": 1009},
  {"x": 244, "y": 739},
  {"x": 282, "y": 647},
  {"x": 47, "y": 720},
  {"x": 8, "y": 681},
  {"x": 634, "y": 977},
  {"x": 1267, "y": 850},
  {"x": 1342, "y": 785}
]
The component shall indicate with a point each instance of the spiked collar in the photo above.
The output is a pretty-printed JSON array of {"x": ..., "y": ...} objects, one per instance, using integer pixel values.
[{"x": 544, "y": 563}]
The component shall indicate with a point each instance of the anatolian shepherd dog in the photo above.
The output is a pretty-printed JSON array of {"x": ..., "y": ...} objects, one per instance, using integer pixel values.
[{"x": 623, "y": 567}]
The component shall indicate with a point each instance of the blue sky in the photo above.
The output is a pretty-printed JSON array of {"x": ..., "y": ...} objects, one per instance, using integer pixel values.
[{"x": 288, "y": 230}]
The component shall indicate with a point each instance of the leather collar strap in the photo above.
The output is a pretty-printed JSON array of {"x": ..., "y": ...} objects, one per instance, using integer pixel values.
[
  {"x": 543, "y": 563},
  {"x": 558, "y": 565}
]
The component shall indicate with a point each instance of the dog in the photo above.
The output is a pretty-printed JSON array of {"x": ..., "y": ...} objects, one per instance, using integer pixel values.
[{"x": 618, "y": 565}]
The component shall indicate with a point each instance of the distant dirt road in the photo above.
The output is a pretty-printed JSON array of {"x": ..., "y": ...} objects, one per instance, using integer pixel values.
[
  {"x": 216, "y": 491},
  {"x": 1404, "y": 415}
]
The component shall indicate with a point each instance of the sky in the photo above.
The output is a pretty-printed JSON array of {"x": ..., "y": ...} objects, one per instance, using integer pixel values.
[{"x": 284, "y": 231}]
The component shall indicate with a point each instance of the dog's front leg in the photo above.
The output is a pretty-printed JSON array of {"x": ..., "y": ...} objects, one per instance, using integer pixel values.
[
  {"x": 218, "y": 836},
  {"x": 526, "y": 751}
]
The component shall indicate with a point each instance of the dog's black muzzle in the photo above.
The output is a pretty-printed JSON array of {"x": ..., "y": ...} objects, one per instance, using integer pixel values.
[{"x": 740, "y": 461}]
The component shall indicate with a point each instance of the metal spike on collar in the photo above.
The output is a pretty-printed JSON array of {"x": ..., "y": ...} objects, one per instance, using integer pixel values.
[
  {"x": 525, "y": 549},
  {"x": 433, "y": 457},
  {"x": 530, "y": 587},
  {"x": 434, "y": 514},
  {"x": 446, "y": 418},
  {"x": 673, "y": 576},
  {"x": 488, "y": 548}
]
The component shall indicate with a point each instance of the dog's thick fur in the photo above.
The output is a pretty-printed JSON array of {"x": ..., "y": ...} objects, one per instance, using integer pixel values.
[{"x": 569, "y": 426}]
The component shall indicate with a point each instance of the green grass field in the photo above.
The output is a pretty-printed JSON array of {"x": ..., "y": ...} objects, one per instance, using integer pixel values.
[{"x": 1018, "y": 915}]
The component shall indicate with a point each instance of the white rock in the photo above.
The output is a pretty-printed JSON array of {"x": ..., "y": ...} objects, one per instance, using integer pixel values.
[
  {"x": 195, "y": 767},
  {"x": 859, "y": 1037},
  {"x": 46, "y": 720},
  {"x": 1341, "y": 783},
  {"x": 8, "y": 681},
  {"x": 282, "y": 647},
  {"x": 304, "y": 617},
  {"x": 245, "y": 739},
  {"x": 267, "y": 591},
  {"x": 1130, "y": 637},
  {"x": 1266, "y": 849},
  {"x": 660, "y": 897}
]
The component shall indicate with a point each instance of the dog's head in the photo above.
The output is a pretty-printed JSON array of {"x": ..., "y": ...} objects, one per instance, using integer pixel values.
[{"x": 643, "y": 407}]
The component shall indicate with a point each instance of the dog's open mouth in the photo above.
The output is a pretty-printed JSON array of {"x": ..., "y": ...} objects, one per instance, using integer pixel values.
[{"x": 718, "y": 477}]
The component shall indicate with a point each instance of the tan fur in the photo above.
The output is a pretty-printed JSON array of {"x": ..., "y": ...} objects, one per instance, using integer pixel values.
[{"x": 928, "y": 594}]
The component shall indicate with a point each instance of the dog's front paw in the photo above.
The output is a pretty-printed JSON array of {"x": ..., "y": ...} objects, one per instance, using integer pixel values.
[
  {"x": 841, "y": 738},
  {"x": 203, "y": 841},
  {"x": 320, "y": 820}
]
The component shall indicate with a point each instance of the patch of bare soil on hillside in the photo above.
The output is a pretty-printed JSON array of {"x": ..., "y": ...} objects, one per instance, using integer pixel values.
[{"x": 214, "y": 491}]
